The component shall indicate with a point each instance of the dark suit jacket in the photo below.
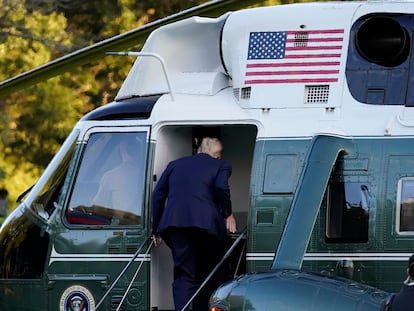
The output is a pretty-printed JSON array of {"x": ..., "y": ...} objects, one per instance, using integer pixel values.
[
  {"x": 404, "y": 299},
  {"x": 197, "y": 193}
]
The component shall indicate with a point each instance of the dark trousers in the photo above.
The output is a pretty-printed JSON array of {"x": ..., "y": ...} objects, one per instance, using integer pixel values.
[{"x": 195, "y": 254}]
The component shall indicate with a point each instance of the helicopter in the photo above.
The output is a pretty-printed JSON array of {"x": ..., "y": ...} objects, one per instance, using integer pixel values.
[{"x": 313, "y": 105}]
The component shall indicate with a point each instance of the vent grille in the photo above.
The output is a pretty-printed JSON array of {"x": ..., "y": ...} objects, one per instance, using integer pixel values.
[
  {"x": 301, "y": 39},
  {"x": 114, "y": 249},
  {"x": 236, "y": 93},
  {"x": 316, "y": 94},
  {"x": 245, "y": 92},
  {"x": 131, "y": 249},
  {"x": 242, "y": 93},
  {"x": 115, "y": 301}
]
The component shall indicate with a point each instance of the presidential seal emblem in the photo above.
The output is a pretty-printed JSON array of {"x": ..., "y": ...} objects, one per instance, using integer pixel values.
[{"x": 77, "y": 298}]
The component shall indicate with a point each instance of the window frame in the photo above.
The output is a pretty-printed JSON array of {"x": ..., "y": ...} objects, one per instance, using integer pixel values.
[
  {"x": 84, "y": 141},
  {"x": 399, "y": 202}
]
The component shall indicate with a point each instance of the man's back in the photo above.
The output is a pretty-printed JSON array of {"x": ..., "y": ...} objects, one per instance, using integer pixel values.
[
  {"x": 197, "y": 186},
  {"x": 194, "y": 221}
]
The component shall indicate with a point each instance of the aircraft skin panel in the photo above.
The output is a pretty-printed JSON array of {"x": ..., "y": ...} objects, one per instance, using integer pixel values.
[
  {"x": 323, "y": 172},
  {"x": 276, "y": 74},
  {"x": 349, "y": 120},
  {"x": 189, "y": 46},
  {"x": 366, "y": 163},
  {"x": 322, "y": 157},
  {"x": 280, "y": 289}
]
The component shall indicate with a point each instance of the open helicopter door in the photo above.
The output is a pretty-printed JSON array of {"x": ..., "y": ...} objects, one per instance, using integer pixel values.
[
  {"x": 104, "y": 221},
  {"x": 175, "y": 141}
]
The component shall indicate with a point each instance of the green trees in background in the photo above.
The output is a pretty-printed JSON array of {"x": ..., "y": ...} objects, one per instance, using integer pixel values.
[{"x": 34, "y": 122}]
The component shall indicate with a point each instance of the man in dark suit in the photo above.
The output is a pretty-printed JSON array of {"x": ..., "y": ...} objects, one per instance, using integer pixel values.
[
  {"x": 404, "y": 299},
  {"x": 194, "y": 220}
]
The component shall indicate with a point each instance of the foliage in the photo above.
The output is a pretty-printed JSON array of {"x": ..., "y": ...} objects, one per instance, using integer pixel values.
[
  {"x": 29, "y": 132},
  {"x": 34, "y": 122}
]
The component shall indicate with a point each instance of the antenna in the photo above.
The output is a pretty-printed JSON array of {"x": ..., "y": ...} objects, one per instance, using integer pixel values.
[{"x": 156, "y": 56}]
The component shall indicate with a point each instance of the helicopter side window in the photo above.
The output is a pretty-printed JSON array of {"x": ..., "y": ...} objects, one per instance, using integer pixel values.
[
  {"x": 405, "y": 206},
  {"x": 109, "y": 186},
  {"x": 347, "y": 212}
]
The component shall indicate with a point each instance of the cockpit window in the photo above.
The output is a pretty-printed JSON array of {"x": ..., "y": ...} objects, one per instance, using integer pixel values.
[
  {"x": 109, "y": 187},
  {"x": 405, "y": 206},
  {"x": 47, "y": 193}
]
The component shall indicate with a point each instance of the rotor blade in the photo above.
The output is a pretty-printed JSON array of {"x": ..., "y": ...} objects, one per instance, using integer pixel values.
[{"x": 132, "y": 38}]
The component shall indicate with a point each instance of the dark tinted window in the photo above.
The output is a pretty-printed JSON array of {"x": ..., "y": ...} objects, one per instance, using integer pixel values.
[{"x": 347, "y": 211}]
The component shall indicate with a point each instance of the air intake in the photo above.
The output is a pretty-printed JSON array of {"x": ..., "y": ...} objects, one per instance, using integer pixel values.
[{"x": 382, "y": 40}]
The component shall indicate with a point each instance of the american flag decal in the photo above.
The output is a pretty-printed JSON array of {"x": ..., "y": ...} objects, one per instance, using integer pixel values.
[{"x": 294, "y": 56}]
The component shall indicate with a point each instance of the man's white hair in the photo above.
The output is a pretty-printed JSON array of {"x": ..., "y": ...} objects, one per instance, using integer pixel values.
[{"x": 211, "y": 146}]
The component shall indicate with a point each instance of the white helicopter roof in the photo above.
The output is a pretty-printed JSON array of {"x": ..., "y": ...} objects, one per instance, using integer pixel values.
[
  {"x": 198, "y": 49},
  {"x": 203, "y": 56}
]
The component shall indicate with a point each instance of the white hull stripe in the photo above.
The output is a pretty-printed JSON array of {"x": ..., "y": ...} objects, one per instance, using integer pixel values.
[
  {"x": 337, "y": 256},
  {"x": 259, "y": 256},
  {"x": 56, "y": 257}
]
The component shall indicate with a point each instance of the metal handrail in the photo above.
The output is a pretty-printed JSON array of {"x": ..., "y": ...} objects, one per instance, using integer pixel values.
[
  {"x": 239, "y": 261},
  {"x": 156, "y": 56},
  {"x": 124, "y": 270},
  {"x": 134, "y": 277},
  {"x": 227, "y": 254}
]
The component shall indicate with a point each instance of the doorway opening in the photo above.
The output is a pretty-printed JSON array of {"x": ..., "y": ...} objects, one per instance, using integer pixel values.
[{"x": 175, "y": 141}]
